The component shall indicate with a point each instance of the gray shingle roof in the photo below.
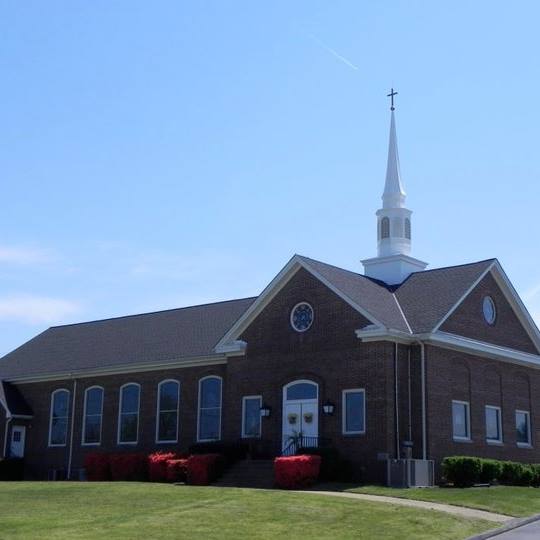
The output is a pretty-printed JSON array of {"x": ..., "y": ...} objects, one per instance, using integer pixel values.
[
  {"x": 426, "y": 297},
  {"x": 374, "y": 296},
  {"x": 15, "y": 403},
  {"x": 137, "y": 339}
]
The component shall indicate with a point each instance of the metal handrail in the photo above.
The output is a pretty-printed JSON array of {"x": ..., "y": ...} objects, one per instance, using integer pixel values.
[{"x": 302, "y": 441}]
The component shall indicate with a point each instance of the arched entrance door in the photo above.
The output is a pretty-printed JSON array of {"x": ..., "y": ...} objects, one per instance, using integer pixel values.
[{"x": 300, "y": 412}]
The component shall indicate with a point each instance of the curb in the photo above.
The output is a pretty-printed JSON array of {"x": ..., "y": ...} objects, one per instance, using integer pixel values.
[{"x": 511, "y": 525}]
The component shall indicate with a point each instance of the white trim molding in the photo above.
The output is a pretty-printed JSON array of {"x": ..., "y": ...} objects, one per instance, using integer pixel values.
[
  {"x": 51, "y": 410},
  {"x": 527, "y": 414},
  {"x": 468, "y": 437},
  {"x": 498, "y": 410}
]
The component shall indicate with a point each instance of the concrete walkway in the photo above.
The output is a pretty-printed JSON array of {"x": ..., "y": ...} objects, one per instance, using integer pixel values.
[{"x": 425, "y": 505}]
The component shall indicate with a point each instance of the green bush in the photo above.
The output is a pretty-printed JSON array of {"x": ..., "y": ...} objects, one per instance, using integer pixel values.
[
  {"x": 462, "y": 471},
  {"x": 491, "y": 470},
  {"x": 511, "y": 473}
]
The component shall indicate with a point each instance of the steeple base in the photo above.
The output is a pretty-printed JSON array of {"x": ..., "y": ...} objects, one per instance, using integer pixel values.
[{"x": 393, "y": 269}]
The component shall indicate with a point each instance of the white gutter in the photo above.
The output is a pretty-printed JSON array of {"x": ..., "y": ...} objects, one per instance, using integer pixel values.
[
  {"x": 423, "y": 383},
  {"x": 8, "y": 421},
  {"x": 396, "y": 397}
]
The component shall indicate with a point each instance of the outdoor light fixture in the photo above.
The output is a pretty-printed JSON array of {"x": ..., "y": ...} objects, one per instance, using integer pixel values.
[
  {"x": 265, "y": 411},
  {"x": 328, "y": 407}
]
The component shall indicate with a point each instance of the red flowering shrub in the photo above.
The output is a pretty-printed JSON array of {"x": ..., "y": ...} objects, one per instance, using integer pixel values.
[
  {"x": 202, "y": 469},
  {"x": 296, "y": 471},
  {"x": 176, "y": 470},
  {"x": 97, "y": 467},
  {"x": 132, "y": 466},
  {"x": 157, "y": 465}
]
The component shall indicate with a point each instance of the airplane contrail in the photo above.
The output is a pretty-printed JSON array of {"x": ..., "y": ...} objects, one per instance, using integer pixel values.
[{"x": 333, "y": 52}]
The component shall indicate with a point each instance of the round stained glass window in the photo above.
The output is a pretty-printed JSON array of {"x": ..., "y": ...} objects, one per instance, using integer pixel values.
[
  {"x": 302, "y": 317},
  {"x": 489, "y": 310}
]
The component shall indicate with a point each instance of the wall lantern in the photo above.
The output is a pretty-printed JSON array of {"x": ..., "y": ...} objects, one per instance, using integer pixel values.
[
  {"x": 265, "y": 411},
  {"x": 328, "y": 407}
]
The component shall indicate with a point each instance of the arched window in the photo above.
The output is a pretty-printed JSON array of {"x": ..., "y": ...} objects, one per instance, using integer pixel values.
[
  {"x": 128, "y": 414},
  {"x": 209, "y": 425},
  {"x": 93, "y": 415},
  {"x": 385, "y": 227},
  {"x": 407, "y": 228},
  {"x": 301, "y": 390},
  {"x": 58, "y": 424},
  {"x": 168, "y": 401}
]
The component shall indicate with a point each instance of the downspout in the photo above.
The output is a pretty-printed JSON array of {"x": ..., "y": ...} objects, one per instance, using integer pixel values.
[
  {"x": 72, "y": 426},
  {"x": 8, "y": 421},
  {"x": 396, "y": 396},
  {"x": 423, "y": 378},
  {"x": 409, "y": 393}
]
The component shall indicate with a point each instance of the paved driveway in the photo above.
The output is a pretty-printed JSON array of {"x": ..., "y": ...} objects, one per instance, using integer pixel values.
[{"x": 527, "y": 532}]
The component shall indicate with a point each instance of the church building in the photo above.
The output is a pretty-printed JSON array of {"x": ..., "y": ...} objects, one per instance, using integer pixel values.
[{"x": 399, "y": 359}]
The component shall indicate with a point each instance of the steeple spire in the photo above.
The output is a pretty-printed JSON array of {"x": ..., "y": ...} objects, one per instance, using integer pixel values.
[
  {"x": 394, "y": 194},
  {"x": 393, "y": 262}
]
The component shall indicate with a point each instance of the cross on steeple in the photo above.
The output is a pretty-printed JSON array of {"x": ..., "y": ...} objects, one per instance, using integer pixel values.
[{"x": 391, "y": 96}]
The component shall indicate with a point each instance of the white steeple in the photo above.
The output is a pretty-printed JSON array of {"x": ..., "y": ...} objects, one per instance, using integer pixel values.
[{"x": 393, "y": 263}]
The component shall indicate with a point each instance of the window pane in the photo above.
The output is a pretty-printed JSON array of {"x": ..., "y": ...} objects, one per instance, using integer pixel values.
[
  {"x": 93, "y": 401},
  {"x": 92, "y": 429},
  {"x": 211, "y": 393},
  {"x": 460, "y": 420},
  {"x": 252, "y": 417},
  {"x": 354, "y": 411},
  {"x": 492, "y": 424},
  {"x": 302, "y": 391},
  {"x": 59, "y": 431},
  {"x": 522, "y": 428},
  {"x": 167, "y": 426},
  {"x": 130, "y": 399},
  {"x": 209, "y": 423},
  {"x": 61, "y": 403},
  {"x": 168, "y": 396},
  {"x": 128, "y": 427}
]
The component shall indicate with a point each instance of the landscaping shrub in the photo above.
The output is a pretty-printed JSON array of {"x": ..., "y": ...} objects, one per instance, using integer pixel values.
[
  {"x": 176, "y": 470},
  {"x": 132, "y": 466},
  {"x": 516, "y": 474},
  {"x": 462, "y": 471},
  {"x": 491, "y": 470},
  {"x": 332, "y": 464},
  {"x": 157, "y": 465},
  {"x": 202, "y": 469},
  {"x": 97, "y": 467},
  {"x": 11, "y": 469},
  {"x": 535, "y": 467},
  {"x": 296, "y": 472},
  {"x": 231, "y": 451}
]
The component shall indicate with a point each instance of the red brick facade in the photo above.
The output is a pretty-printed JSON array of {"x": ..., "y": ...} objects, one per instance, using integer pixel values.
[{"x": 331, "y": 355}]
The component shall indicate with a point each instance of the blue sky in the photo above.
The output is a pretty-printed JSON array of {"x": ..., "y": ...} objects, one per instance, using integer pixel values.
[{"x": 160, "y": 154}]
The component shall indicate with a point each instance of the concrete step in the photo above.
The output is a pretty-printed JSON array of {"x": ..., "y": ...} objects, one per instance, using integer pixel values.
[{"x": 249, "y": 473}]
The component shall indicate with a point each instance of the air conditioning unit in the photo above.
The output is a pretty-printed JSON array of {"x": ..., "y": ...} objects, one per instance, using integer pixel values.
[{"x": 402, "y": 473}]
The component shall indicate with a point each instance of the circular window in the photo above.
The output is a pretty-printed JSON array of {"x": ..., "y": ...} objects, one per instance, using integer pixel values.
[
  {"x": 302, "y": 317},
  {"x": 489, "y": 310}
]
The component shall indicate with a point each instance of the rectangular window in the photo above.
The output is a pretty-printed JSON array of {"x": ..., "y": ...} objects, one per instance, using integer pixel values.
[
  {"x": 461, "y": 421},
  {"x": 93, "y": 413},
  {"x": 354, "y": 411},
  {"x": 58, "y": 423},
  {"x": 251, "y": 416},
  {"x": 128, "y": 414},
  {"x": 523, "y": 428},
  {"x": 493, "y": 424}
]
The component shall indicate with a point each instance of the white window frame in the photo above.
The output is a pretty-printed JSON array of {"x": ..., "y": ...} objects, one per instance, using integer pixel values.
[
  {"x": 51, "y": 410},
  {"x": 159, "y": 411},
  {"x": 455, "y": 437},
  {"x": 199, "y": 408},
  {"x": 528, "y": 416},
  {"x": 499, "y": 419},
  {"x": 344, "y": 411},
  {"x": 83, "y": 443},
  {"x": 118, "y": 441},
  {"x": 244, "y": 434}
]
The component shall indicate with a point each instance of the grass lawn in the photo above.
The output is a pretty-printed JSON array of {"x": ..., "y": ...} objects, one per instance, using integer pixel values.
[
  {"x": 137, "y": 510},
  {"x": 509, "y": 500}
]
